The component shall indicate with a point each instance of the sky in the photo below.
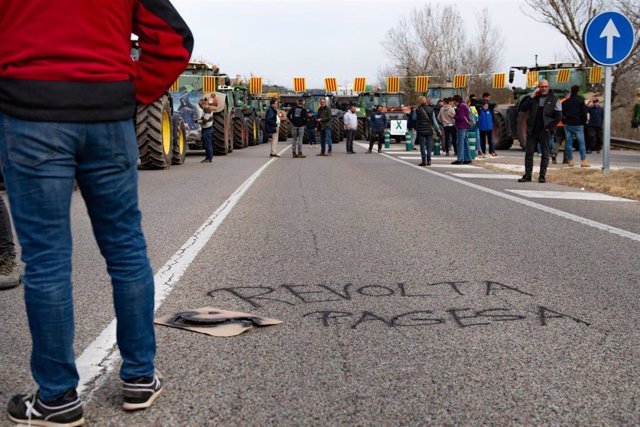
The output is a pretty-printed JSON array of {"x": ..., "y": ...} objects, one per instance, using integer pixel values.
[{"x": 282, "y": 39}]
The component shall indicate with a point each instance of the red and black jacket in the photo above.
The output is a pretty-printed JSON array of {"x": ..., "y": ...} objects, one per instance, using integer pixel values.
[{"x": 70, "y": 60}]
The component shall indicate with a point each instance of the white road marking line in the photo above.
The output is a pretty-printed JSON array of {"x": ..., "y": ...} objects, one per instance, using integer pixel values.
[
  {"x": 594, "y": 224},
  {"x": 450, "y": 166},
  {"x": 485, "y": 176},
  {"x": 98, "y": 358},
  {"x": 569, "y": 195}
]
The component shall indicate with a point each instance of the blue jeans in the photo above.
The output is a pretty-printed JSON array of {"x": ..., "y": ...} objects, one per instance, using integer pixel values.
[
  {"x": 325, "y": 139},
  {"x": 311, "y": 136},
  {"x": 578, "y": 131},
  {"x": 425, "y": 142},
  {"x": 207, "y": 141},
  {"x": 463, "y": 152},
  {"x": 40, "y": 161}
]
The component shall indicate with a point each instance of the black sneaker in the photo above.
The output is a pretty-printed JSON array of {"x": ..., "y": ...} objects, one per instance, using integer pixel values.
[
  {"x": 542, "y": 180},
  {"x": 525, "y": 179},
  {"x": 31, "y": 410},
  {"x": 140, "y": 393},
  {"x": 457, "y": 162}
]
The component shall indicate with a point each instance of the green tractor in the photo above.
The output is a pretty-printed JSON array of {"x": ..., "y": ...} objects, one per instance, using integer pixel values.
[
  {"x": 510, "y": 124},
  {"x": 243, "y": 116},
  {"x": 367, "y": 101},
  {"x": 438, "y": 92},
  {"x": 160, "y": 132},
  {"x": 260, "y": 104},
  {"x": 312, "y": 104}
]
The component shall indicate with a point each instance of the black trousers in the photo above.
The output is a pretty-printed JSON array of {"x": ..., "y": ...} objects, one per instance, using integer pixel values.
[
  {"x": 349, "y": 133},
  {"x": 449, "y": 138},
  {"x": 533, "y": 140},
  {"x": 376, "y": 133},
  {"x": 594, "y": 138}
]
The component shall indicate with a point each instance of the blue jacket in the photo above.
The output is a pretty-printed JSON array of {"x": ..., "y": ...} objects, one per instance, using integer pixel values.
[
  {"x": 271, "y": 121},
  {"x": 485, "y": 121},
  {"x": 377, "y": 120},
  {"x": 596, "y": 117}
]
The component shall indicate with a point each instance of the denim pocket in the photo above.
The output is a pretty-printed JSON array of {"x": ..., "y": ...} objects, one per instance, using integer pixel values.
[
  {"x": 123, "y": 143},
  {"x": 31, "y": 143}
]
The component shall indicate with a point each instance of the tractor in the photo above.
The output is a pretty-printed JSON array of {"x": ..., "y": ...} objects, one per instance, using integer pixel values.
[
  {"x": 160, "y": 132},
  {"x": 312, "y": 103},
  {"x": 395, "y": 109},
  {"x": 510, "y": 124},
  {"x": 367, "y": 101},
  {"x": 243, "y": 115},
  {"x": 260, "y": 105}
]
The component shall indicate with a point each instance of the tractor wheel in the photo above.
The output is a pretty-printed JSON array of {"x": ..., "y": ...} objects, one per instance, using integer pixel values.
[
  {"x": 337, "y": 130},
  {"x": 238, "y": 134},
  {"x": 220, "y": 133},
  {"x": 283, "y": 131},
  {"x": 500, "y": 133},
  {"x": 179, "y": 141},
  {"x": 153, "y": 130},
  {"x": 252, "y": 131},
  {"x": 361, "y": 132}
]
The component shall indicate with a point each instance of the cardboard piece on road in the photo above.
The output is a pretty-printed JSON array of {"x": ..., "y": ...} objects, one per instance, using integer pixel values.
[{"x": 215, "y": 321}]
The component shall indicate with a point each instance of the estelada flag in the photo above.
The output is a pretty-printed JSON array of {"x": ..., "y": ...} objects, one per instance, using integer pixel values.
[
  {"x": 255, "y": 85},
  {"x": 359, "y": 84},
  {"x": 460, "y": 81},
  {"x": 499, "y": 80},
  {"x": 331, "y": 84}
]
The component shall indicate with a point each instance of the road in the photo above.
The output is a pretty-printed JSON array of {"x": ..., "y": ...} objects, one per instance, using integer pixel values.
[{"x": 409, "y": 296}]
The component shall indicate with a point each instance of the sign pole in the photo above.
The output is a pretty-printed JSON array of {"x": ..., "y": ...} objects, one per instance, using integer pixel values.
[{"x": 607, "y": 121}]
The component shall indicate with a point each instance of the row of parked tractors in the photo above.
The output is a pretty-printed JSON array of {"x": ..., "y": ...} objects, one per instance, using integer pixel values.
[{"x": 170, "y": 126}]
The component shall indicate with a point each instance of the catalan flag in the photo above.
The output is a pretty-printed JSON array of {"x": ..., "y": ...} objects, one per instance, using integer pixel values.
[
  {"x": 595, "y": 74},
  {"x": 331, "y": 84},
  {"x": 359, "y": 84},
  {"x": 209, "y": 84},
  {"x": 563, "y": 75},
  {"x": 422, "y": 83},
  {"x": 460, "y": 81},
  {"x": 393, "y": 84},
  {"x": 532, "y": 78},
  {"x": 173, "y": 87},
  {"x": 255, "y": 85},
  {"x": 499, "y": 80},
  {"x": 299, "y": 84}
]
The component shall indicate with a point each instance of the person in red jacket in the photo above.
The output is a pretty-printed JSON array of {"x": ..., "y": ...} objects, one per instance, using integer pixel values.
[{"x": 68, "y": 93}]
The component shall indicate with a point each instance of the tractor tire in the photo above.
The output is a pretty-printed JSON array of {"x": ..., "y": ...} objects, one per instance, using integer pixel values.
[
  {"x": 283, "y": 131},
  {"x": 153, "y": 131},
  {"x": 252, "y": 134},
  {"x": 179, "y": 140},
  {"x": 500, "y": 133},
  {"x": 337, "y": 130},
  {"x": 361, "y": 132},
  {"x": 220, "y": 133},
  {"x": 238, "y": 134}
]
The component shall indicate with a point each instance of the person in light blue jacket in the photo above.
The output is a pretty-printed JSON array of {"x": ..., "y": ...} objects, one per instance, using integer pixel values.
[{"x": 485, "y": 127}]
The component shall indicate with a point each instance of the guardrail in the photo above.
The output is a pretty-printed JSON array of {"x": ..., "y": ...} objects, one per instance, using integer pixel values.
[{"x": 630, "y": 144}]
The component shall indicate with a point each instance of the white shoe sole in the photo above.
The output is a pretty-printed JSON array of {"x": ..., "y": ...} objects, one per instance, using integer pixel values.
[{"x": 143, "y": 405}]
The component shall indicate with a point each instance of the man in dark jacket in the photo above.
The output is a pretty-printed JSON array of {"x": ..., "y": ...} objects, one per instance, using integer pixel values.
[
  {"x": 594, "y": 125},
  {"x": 325, "y": 119},
  {"x": 574, "y": 117},
  {"x": 298, "y": 117},
  {"x": 426, "y": 125},
  {"x": 271, "y": 127},
  {"x": 79, "y": 84},
  {"x": 377, "y": 124},
  {"x": 545, "y": 111}
]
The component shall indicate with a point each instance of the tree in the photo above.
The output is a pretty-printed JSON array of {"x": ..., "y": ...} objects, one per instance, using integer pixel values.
[{"x": 422, "y": 44}]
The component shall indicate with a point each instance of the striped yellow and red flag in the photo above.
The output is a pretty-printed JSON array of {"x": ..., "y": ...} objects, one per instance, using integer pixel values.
[
  {"x": 331, "y": 84},
  {"x": 499, "y": 80},
  {"x": 255, "y": 85},
  {"x": 532, "y": 78},
  {"x": 173, "y": 87},
  {"x": 422, "y": 83},
  {"x": 299, "y": 84},
  {"x": 595, "y": 74},
  {"x": 460, "y": 81},
  {"x": 563, "y": 75},
  {"x": 393, "y": 84},
  {"x": 359, "y": 84},
  {"x": 209, "y": 84}
]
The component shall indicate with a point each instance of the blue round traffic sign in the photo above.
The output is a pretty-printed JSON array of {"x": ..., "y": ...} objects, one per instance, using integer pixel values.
[{"x": 609, "y": 38}]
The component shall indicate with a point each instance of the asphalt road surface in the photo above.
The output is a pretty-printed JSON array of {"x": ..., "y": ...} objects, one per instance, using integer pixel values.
[{"x": 409, "y": 296}]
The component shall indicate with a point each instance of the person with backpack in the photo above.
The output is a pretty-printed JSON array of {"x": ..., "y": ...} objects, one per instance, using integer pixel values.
[
  {"x": 298, "y": 117},
  {"x": 426, "y": 127},
  {"x": 463, "y": 121}
]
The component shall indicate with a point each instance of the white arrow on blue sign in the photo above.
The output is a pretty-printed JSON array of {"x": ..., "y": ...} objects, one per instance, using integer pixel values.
[{"x": 609, "y": 38}]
